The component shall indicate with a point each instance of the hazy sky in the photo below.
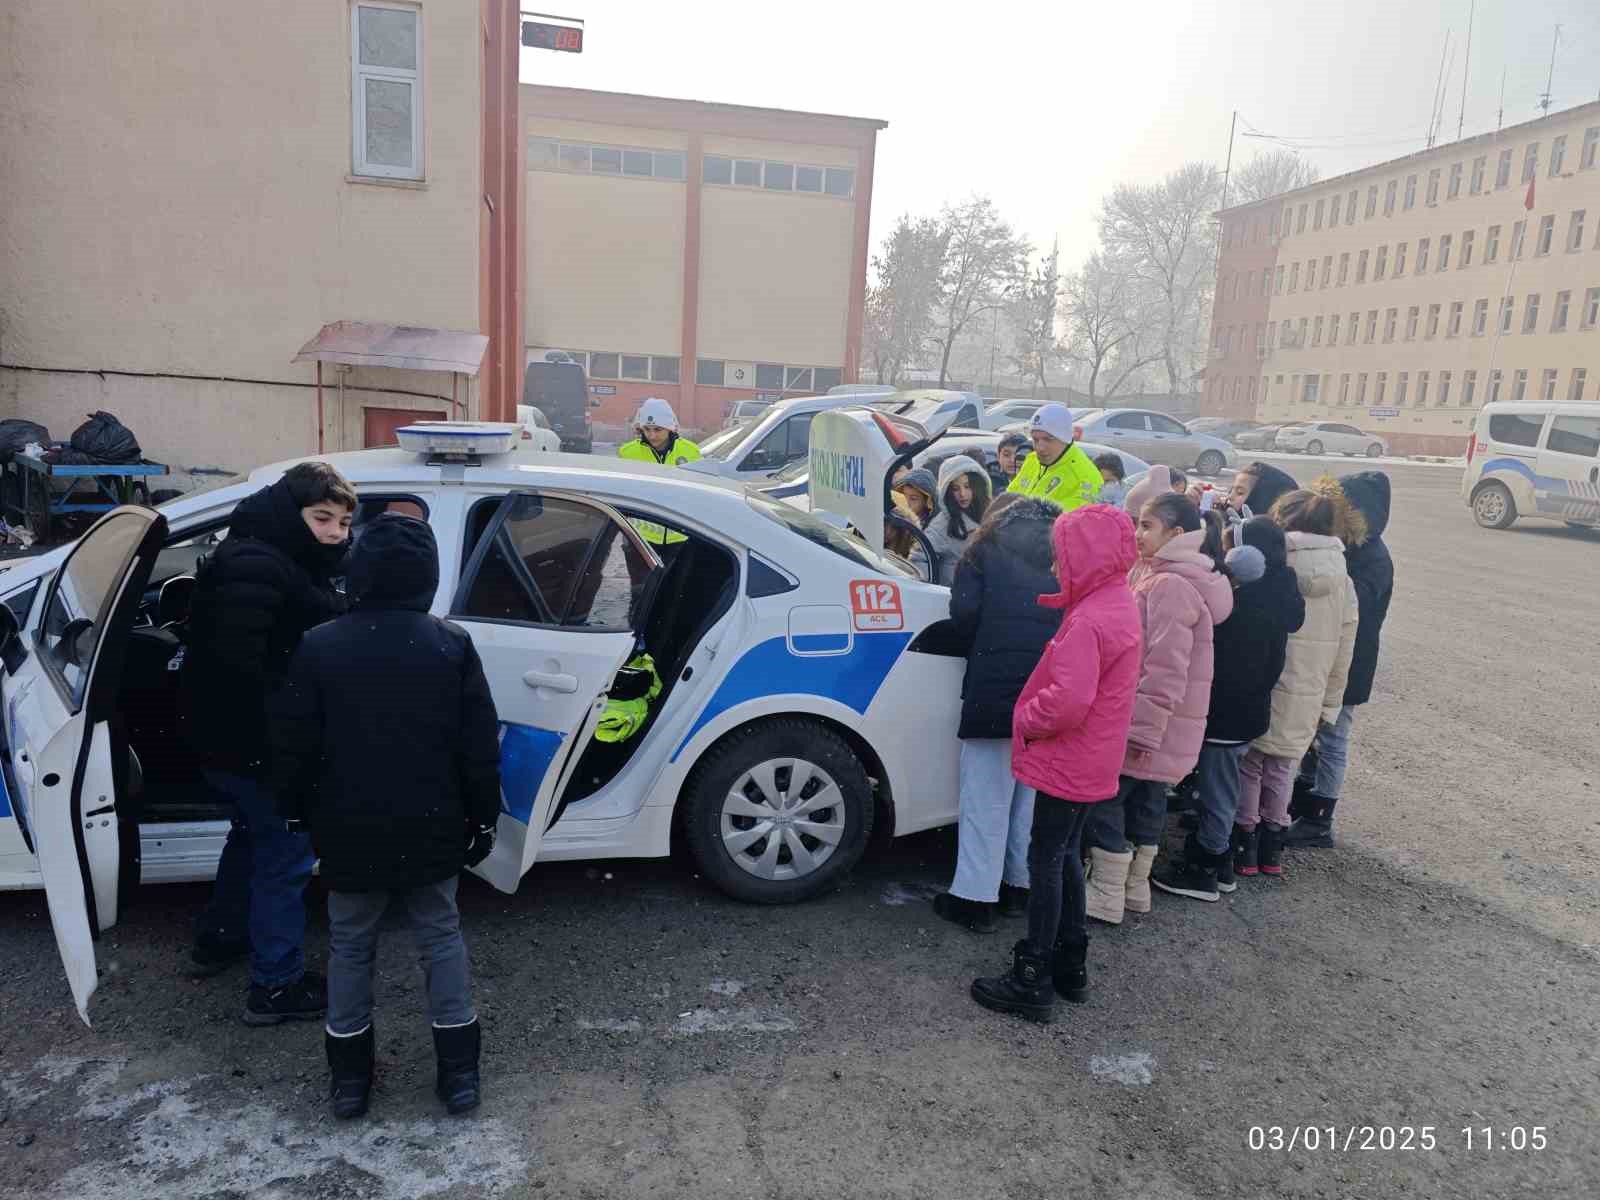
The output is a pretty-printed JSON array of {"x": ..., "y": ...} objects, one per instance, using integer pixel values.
[{"x": 1046, "y": 107}]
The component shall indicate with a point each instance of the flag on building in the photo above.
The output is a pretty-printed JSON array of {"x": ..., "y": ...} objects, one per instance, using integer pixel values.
[{"x": 1527, "y": 201}]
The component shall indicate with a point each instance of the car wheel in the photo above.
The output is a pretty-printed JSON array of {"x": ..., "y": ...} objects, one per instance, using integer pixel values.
[
  {"x": 1375, "y": 450},
  {"x": 778, "y": 812},
  {"x": 1211, "y": 463},
  {"x": 1493, "y": 507},
  {"x": 1313, "y": 447}
]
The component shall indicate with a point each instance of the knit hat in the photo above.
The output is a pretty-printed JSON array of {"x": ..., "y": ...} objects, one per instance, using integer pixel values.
[
  {"x": 1054, "y": 419},
  {"x": 1245, "y": 564}
]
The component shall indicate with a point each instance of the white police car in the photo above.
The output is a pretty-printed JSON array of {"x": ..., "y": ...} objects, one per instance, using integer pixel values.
[{"x": 805, "y": 699}]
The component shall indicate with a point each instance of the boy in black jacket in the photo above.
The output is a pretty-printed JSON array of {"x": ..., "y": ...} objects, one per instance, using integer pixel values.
[
  {"x": 255, "y": 597},
  {"x": 385, "y": 742}
]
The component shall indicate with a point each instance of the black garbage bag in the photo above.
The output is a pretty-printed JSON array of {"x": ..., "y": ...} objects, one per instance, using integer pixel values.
[
  {"x": 16, "y": 433},
  {"x": 105, "y": 439}
]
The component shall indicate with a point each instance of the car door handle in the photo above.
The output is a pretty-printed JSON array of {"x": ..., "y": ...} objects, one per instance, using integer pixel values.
[{"x": 553, "y": 680}]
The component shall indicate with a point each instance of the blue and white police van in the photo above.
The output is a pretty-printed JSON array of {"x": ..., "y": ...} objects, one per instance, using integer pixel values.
[{"x": 806, "y": 700}]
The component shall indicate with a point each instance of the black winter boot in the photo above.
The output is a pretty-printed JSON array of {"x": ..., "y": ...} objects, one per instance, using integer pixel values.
[
  {"x": 1270, "y": 852},
  {"x": 1245, "y": 845},
  {"x": 1070, "y": 970},
  {"x": 1195, "y": 876},
  {"x": 1314, "y": 829},
  {"x": 1013, "y": 900},
  {"x": 457, "y": 1049},
  {"x": 1027, "y": 991},
  {"x": 350, "y": 1059},
  {"x": 1298, "y": 802},
  {"x": 975, "y": 916}
]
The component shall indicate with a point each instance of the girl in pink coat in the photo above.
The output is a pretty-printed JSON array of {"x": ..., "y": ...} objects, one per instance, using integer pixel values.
[
  {"x": 1069, "y": 732},
  {"x": 1181, "y": 592}
]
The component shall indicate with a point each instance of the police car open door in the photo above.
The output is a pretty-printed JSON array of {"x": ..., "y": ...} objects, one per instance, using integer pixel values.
[
  {"x": 60, "y": 700},
  {"x": 555, "y": 587}
]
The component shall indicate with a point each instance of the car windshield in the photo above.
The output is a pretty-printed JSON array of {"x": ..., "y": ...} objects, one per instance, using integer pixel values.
[
  {"x": 820, "y": 533},
  {"x": 794, "y": 472},
  {"x": 724, "y": 442}
]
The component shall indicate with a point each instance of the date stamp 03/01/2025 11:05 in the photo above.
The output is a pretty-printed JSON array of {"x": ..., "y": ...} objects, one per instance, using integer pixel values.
[{"x": 1370, "y": 1139}]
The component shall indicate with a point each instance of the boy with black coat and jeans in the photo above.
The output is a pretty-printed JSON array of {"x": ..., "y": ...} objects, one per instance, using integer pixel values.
[
  {"x": 386, "y": 743},
  {"x": 255, "y": 597}
]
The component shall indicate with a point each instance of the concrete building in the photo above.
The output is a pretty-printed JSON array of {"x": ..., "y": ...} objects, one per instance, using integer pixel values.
[
  {"x": 190, "y": 198},
  {"x": 699, "y": 252},
  {"x": 1404, "y": 296}
]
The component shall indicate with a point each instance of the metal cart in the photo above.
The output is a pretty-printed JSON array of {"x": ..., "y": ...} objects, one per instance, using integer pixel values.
[{"x": 93, "y": 488}]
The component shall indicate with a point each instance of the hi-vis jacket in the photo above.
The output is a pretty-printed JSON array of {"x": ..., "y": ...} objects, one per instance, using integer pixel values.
[
  {"x": 679, "y": 450},
  {"x": 1071, "y": 481}
]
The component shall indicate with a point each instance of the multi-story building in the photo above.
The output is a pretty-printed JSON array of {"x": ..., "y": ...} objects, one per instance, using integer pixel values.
[
  {"x": 1404, "y": 296},
  {"x": 700, "y": 252}
]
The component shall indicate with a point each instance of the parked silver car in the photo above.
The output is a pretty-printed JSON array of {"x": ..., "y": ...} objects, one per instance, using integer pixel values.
[
  {"x": 1157, "y": 438},
  {"x": 1262, "y": 437},
  {"x": 1330, "y": 437}
]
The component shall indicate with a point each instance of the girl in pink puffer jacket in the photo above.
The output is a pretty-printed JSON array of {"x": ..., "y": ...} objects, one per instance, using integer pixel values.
[
  {"x": 1069, "y": 733},
  {"x": 1182, "y": 592}
]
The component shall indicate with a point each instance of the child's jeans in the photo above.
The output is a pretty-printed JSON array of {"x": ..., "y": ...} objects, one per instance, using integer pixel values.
[
  {"x": 1057, "y": 909},
  {"x": 1219, "y": 794},
  {"x": 353, "y": 919},
  {"x": 1266, "y": 785},
  {"x": 1333, "y": 755},
  {"x": 1137, "y": 814},
  {"x": 996, "y": 819}
]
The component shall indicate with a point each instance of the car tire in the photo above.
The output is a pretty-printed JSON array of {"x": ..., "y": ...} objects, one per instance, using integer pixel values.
[
  {"x": 1211, "y": 463},
  {"x": 1493, "y": 507},
  {"x": 735, "y": 766},
  {"x": 1375, "y": 450},
  {"x": 1313, "y": 448}
]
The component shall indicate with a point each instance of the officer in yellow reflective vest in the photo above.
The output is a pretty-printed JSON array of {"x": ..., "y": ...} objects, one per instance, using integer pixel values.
[
  {"x": 1057, "y": 470},
  {"x": 659, "y": 442}
]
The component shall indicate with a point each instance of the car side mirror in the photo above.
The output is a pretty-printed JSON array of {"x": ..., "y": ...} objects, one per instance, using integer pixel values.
[
  {"x": 12, "y": 651},
  {"x": 77, "y": 642}
]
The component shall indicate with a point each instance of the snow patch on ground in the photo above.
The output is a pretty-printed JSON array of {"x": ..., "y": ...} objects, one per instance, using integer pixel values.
[
  {"x": 729, "y": 1020},
  {"x": 610, "y": 1024},
  {"x": 896, "y": 895},
  {"x": 1133, "y": 1070},
  {"x": 726, "y": 987}
]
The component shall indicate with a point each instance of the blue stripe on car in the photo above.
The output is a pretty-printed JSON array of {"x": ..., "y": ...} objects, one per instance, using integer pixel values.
[
  {"x": 770, "y": 669},
  {"x": 525, "y": 756}
]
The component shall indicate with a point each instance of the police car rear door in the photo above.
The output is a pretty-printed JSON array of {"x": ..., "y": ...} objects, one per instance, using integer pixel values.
[
  {"x": 60, "y": 697},
  {"x": 554, "y": 588}
]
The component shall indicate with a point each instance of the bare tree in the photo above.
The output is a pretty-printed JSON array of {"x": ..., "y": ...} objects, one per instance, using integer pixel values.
[
  {"x": 983, "y": 260},
  {"x": 1104, "y": 320},
  {"x": 1268, "y": 174},
  {"x": 900, "y": 303},
  {"x": 1032, "y": 315},
  {"x": 1164, "y": 232}
]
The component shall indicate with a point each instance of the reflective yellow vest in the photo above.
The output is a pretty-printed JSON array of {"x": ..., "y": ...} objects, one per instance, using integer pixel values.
[
  {"x": 1071, "y": 481},
  {"x": 622, "y": 718},
  {"x": 679, "y": 451}
]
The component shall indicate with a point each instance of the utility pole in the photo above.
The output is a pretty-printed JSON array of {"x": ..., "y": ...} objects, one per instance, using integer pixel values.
[
  {"x": 1461, "y": 120},
  {"x": 1438, "y": 91},
  {"x": 1544, "y": 100},
  {"x": 1227, "y": 170},
  {"x": 1499, "y": 121}
]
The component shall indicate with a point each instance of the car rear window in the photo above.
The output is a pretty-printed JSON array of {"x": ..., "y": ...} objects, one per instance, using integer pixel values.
[{"x": 1515, "y": 429}]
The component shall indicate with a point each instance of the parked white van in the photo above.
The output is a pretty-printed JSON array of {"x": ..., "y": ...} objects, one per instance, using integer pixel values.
[{"x": 1534, "y": 460}]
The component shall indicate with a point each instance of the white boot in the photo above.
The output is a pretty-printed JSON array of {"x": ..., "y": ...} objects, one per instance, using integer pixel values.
[
  {"x": 1138, "y": 887},
  {"x": 1107, "y": 886}
]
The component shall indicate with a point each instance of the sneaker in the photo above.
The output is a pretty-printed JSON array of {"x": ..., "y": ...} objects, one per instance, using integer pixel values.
[
  {"x": 1195, "y": 878},
  {"x": 306, "y": 999},
  {"x": 1013, "y": 900},
  {"x": 972, "y": 915},
  {"x": 209, "y": 958}
]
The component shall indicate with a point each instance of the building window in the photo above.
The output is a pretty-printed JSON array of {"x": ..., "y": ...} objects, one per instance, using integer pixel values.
[
  {"x": 1469, "y": 388},
  {"x": 1591, "y": 142},
  {"x": 1391, "y": 320},
  {"x": 1422, "y": 389},
  {"x": 1344, "y": 268},
  {"x": 1350, "y": 207},
  {"x": 1478, "y": 165},
  {"x": 825, "y": 378},
  {"x": 1575, "y": 388},
  {"x": 1261, "y": 339},
  {"x": 1507, "y": 304},
  {"x": 1575, "y": 231},
  {"x": 1411, "y": 192},
  {"x": 1517, "y": 233},
  {"x": 1372, "y": 201},
  {"x": 1361, "y": 266},
  {"x": 1457, "y": 311},
  {"x": 1502, "y": 173},
  {"x": 1433, "y": 322},
  {"x": 1266, "y": 279},
  {"x": 386, "y": 85},
  {"x": 605, "y": 366},
  {"x": 1480, "y": 318},
  {"x": 1413, "y": 318},
  {"x": 1530, "y": 162},
  {"x": 664, "y": 370},
  {"x": 1311, "y": 273},
  {"x": 1454, "y": 189},
  {"x": 1333, "y": 330},
  {"x": 1422, "y": 255},
  {"x": 1558, "y": 157},
  {"x": 1333, "y": 209},
  {"x": 1444, "y": 388},
  {"x": 1444, "y": 253},
  {"x": 1294, "y": 277},
  {"x": 1300, "y": 220},
  {"x": 636, "y": 366},
  {"x": 1312, "y": 386},
  {"x": 1399, "y": 260},
  {"x": 716, "y": 169},
  {"x": 1466, "y": 248},
  {"x": 1519, "y": 387},
  {"x": 769, "y": 377},
  {"x": 1388, "y": 197},
  {"x": 708, "y": 372},
  {"x": 1491, "y": 244},
  {"x": 1402, "y": 382},
  {"x": 1495, "y": 378},
  {"x": 1355, "y": 329},
  {"x": 549, "y": 154},
  {"x": 1591, "y": 308},
  {"x": 1433, "y": 187},
  {"x": 1277, "y": 285},
  {"x": 809, "y": 179},
  {"x": 777, "y": 177},
  {"x": 1380, "y": 266},
  {"x": 1547, "y": 235},
  {"x": 1316, "y": 219},
  {"x": 1344, "y": 389},
  {"x": 1380, "y": 389},
  {"x": 1372, "y": 326},
  {"x": 746, "y": 173},
  {"x": 1272, "y": 335},
  {"x": 1361, "y": 389},
  {"x": 1547, "y": 384},
  {"x": 1558, "y": 319},
  {"x": 1316, "y": 332},
  {"x": 1530, "y": 314},
  {"x": 1327, "y": 270}
]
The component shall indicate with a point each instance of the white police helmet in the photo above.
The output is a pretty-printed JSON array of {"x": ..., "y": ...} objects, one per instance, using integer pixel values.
[{"x": 655, "y": 413}]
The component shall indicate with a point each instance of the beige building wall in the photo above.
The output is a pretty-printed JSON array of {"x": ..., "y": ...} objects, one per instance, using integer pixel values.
[
  {"x": 179, "y": 205},
  {"x": 1420, "y": 365}
]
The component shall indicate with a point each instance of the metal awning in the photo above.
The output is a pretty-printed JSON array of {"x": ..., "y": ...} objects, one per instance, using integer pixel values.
[{"x": 408, "y": 347}]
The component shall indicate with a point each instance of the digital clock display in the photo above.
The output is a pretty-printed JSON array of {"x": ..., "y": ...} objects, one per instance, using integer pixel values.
[{"x": 541, "y": 36}]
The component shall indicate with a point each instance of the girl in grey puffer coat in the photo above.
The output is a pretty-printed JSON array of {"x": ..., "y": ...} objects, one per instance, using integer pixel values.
[{"x": 964, "y": 494}]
